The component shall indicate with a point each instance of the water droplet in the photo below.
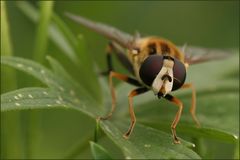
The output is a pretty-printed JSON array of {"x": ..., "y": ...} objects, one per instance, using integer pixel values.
[
  {"x": 147, "y": 145},
  {"x": 44, "y": 92},
  {"x": 235, "y": 136},
  {"x": 20, "y": 95},
  {"x": 58, "y": 102},
  {"x": 30, "y": 96},
  {"x": 49, "y": 105},
  {"x": 16, "y": 97},
  {"x": 83, "y": 106},
  {"x": 76, "y": 100},
  {"x": 30, "y": 68},
  {"x": 19, "y": 65},
  {"x": 17, "y": 104},
  {"x": 60, "y": 98},
  {"x": 42, "y": 71},
  {"x": 108, "y": 129},
  {"x": 47, "y": 80},
  {"x": 61, "y": 88},
  {"x": 72, "y": 93}
]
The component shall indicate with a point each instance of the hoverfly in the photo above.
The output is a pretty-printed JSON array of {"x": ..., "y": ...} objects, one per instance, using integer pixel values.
[{"x": 156, "y": 63}]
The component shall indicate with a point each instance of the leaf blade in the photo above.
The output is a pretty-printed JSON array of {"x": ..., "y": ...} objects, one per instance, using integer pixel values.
[
  {"x": 98, "y": 151},
  {"x": 30, "y": 98},
  {"x": 40, "y": 47},
  {"x": 146, "y": 142}
]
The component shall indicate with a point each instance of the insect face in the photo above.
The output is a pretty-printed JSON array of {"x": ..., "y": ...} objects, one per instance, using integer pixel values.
[
  {"x": 162, "y": 73},
  {"x": 157, "y": 64}
]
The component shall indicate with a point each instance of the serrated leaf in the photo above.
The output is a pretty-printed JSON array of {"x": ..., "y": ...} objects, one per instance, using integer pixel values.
[
  {"x": 73, "y": 48},
  {"x": 217, "y": 98},
  {"x": 160, "y": 115},
  {"x": 57, "y": 82},
  {"x": 147, "y": 143},
  {"x": 99, "y": 152},
  {"x": 31, "y": 98}
]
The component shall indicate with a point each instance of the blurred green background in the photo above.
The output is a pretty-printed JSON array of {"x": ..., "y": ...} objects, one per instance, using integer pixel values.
[{"x": 200, "y": 23}]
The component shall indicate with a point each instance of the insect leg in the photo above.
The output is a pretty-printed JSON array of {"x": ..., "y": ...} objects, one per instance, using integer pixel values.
[
  {"x": 109, "y": 50},
  {"x": 113, "y": 47},
  {"x": 133, "y": 93},
  {"x": 193, "y": 105},
  {"x": 120, "y": 77},
  {"x": 177, "y": 117}
]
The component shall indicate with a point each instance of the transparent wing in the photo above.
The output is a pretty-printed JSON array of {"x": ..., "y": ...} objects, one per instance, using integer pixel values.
[
  {"x": 194, "y": 55},
  {"x": 112, "y": 33}
]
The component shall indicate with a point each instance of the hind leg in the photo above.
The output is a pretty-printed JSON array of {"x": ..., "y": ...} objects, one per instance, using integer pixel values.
[{"x": 193, "y": 105}]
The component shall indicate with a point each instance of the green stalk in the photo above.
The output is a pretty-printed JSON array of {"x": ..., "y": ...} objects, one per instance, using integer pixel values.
[
  {"x": 40, "y": 49},
  {"x": 9, "y": 75},
  {"x": 42, "y": 30},
  {"x": 236, "y": 151},
  {"x": 11, "y": 135}
]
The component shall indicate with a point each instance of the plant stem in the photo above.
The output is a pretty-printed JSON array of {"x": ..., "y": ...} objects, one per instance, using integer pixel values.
[
  {"x": 42, "y": 30},
  {"x": 11, "y": 135}
]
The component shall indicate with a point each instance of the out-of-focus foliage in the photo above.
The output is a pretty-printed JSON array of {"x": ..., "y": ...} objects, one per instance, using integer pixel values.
[{"x": 33, "y": 30}]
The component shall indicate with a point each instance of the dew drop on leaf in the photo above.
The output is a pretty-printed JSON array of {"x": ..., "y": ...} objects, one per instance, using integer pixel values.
[
  {"x": 16, "y": 97},
  {"x": 58, "y": 102},
  {"x": 72, "y": 93},
  {"x": 60, "y": 98},
  {"x": 30, "y": 96},
  {"x": 76, "y": 100},
  {"x": 42, "y": 71},
  {"x": 19, "y": 65},
  {"x": 20, "y": 95},
  {"x": 45, "y": 93},
  {"x": 61, "y": 88},
  {"x": 30, "y": 68},
  {"x": 147, "y": 145}
]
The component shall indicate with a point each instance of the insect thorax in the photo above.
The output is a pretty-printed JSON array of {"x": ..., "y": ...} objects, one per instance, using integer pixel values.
[{"x": 145, "y": 47}]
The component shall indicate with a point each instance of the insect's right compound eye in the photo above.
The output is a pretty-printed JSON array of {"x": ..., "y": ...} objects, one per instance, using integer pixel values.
[{"x": 150, "y": 68}]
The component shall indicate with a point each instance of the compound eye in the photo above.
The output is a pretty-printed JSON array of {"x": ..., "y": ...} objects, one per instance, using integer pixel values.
[
  {"x": 150, "y": 68},
  {"x": 179, "y": 74}
]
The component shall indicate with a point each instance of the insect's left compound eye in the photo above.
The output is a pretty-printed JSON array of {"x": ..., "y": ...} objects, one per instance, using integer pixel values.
[
  {"x": 179, "y": 74},
  {"x": 150, "y": 68}
]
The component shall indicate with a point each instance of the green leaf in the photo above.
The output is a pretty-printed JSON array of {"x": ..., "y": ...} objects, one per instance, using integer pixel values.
[
  {"x": 99, "y": 152},
  {"x": 41, "y": 37},
  {"x": 56, "y": 36},
  {"x": 147, "y": 143},
  {"x": 64, "y": 29},
  {"x": 6, "y": 45},
  {"x": 55, "y": 96},
  {"x": 217, "y": 96},
  {"x": 236, "y": 154},
  {"x": 32, "y": 98},
  {"x": 59, "y": 82},
  {"x": 9, "y": 75},
  {"x": 72, "y": 47}
]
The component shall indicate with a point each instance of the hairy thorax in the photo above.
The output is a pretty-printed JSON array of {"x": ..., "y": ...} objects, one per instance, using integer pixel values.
[{"x": 144, "y": 47}]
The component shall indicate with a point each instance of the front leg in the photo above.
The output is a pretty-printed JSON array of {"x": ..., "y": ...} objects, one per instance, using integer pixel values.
[
  {"x": 133, "y": 93},
  {"x": 109, "y": 51},
  {"x": 177, "y": 117},
  {"x": 120, "y": 77},
  {"x": 114, "y": 48},
  {"x": 193, "y": 105}
]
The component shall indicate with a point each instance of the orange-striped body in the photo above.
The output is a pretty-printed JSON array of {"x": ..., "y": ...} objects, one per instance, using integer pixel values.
[{"x": 149, "y": 46}]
